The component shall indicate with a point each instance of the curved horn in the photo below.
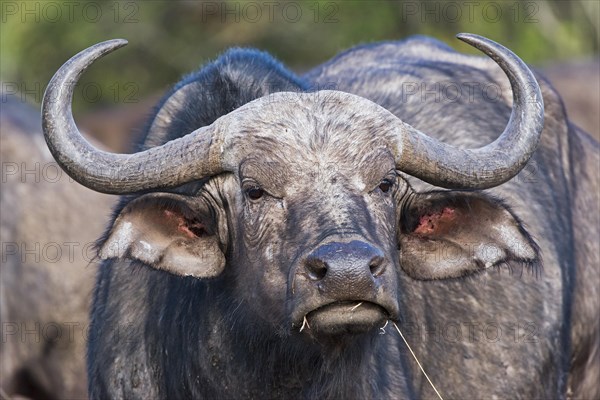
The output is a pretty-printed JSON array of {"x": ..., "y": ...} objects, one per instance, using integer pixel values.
[
  {"x": 191, "y": 157},
  {"x": 443, "y": 165}
]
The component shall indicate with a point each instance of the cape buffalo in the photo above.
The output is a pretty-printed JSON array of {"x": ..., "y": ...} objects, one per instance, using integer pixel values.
[
  {"x": 271, "y": 230},
  {"x": 48, "y": 227}
]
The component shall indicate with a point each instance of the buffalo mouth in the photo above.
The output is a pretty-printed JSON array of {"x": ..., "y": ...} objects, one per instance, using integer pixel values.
[{"x": 345, "y": 317}]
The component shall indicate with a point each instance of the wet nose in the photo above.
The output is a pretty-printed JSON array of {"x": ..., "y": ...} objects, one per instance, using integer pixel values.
[{"x": 346, "y": 269}]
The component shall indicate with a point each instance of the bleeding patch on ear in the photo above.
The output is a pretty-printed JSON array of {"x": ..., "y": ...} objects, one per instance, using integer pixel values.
[
  {"x": 169, "y": 232},
  {"x": 452, "y": 234},
  {"x": 189, "y": 228},
  {"x": 436, "y": 223}
]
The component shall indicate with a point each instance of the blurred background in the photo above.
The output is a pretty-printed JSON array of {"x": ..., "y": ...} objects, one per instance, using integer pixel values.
[{"x": 169, "y": 39}]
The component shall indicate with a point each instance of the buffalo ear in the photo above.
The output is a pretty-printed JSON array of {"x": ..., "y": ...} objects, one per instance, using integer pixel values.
[
  {"x": 453, "y": 234},
  {"x": 169, "y": 232}
]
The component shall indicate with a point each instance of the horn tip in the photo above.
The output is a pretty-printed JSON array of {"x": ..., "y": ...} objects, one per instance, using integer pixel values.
[
  {"x": 116, "y": 43},
  {"x": 105, "y": 47},
  {"x": 471, "y": 38}
]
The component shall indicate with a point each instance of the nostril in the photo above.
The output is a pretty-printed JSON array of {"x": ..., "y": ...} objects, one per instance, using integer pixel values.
[
  {"x": 317, "y": 269},
  {"x": 377, "y": 266}
]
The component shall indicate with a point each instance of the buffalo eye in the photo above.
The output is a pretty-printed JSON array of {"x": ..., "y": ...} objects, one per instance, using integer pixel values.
[
  {"x": 255, "y": 193},
  {"x": 385, "y": 185}
]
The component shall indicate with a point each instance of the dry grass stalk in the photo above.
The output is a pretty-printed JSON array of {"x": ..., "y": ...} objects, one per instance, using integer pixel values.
[{"x": 418, "y": 363}]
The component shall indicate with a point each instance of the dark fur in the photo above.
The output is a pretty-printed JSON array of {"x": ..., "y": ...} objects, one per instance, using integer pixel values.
[{"x": 234, "y": 79}]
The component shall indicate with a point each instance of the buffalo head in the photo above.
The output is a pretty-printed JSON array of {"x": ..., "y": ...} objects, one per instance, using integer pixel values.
[{"x": 300, "y": 202}]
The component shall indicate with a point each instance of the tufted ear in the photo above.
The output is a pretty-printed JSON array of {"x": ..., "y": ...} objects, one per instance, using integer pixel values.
[
  {"x": 453, "y": 234},
  {"x": 169, "y": 232}
]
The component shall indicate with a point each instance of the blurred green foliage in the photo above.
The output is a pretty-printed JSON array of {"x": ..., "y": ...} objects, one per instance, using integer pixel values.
[{"x": 168, "y": 38}]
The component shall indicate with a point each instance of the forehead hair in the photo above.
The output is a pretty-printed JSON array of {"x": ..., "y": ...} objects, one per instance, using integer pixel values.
[{"x": 299, "y": 135}]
